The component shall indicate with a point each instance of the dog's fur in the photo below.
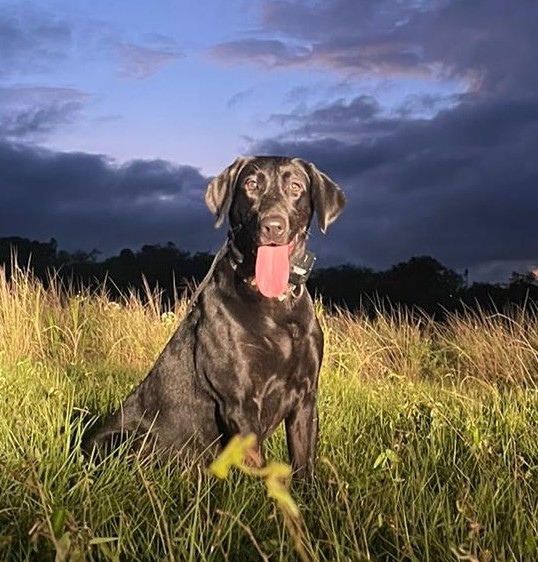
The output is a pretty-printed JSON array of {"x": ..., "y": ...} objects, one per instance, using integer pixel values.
[{"x": 240, "y": 362}]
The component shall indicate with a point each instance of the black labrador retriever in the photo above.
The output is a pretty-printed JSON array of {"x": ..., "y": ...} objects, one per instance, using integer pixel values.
[{"x": 248, "y": 353}]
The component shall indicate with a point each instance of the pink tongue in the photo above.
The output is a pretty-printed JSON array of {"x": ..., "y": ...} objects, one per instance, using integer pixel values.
[{"x": 272, "y": 270}]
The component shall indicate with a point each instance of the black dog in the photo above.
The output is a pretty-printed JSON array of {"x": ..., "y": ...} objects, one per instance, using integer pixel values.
[{"x": 248, "y": 353}]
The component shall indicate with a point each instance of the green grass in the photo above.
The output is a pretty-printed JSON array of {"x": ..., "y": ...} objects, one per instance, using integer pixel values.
[{"x": 428, "y": 446}]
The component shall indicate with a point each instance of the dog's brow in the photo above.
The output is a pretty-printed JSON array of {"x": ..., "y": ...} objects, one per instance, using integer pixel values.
[
  {"x": 256, "y": 169},
  {"x": 294, "y": 171},
  {"x": 252, "y": 170}
]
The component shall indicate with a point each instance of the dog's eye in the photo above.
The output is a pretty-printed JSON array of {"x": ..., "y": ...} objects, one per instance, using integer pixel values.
[
  {"x": 251, "y": 185},
  {"x": 295, "y": 188}
]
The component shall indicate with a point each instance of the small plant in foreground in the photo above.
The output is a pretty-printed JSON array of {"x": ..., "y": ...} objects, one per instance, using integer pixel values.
[{"x": 276, "y": 477}]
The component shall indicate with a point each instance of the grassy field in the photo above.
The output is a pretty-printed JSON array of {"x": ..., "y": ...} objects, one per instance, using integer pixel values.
[{"x": 428, "y": 446}]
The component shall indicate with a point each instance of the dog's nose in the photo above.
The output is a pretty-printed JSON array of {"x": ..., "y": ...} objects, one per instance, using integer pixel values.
[{"x": 273, "y": 228}]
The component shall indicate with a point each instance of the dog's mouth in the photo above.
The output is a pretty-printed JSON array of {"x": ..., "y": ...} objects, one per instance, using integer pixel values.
[{"x": 273, "y": 269}]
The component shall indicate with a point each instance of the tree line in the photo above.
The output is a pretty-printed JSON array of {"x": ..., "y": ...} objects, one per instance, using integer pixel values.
[{"x": 421, "y": 282}]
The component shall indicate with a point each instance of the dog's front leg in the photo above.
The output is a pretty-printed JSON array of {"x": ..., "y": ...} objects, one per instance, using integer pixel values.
[{"x": 302, "y": 435}]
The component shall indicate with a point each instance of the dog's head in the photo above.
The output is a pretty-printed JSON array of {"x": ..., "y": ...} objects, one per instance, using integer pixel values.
[{"x": 270, "y": 202}]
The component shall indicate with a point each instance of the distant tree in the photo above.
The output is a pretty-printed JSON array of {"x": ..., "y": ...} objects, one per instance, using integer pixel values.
[
  {"x": 346, "y": 285},
  {"x": 527, "y": 279},
  {"x": 522, "y": 287},
  {"x": 423, "y": 282},
  {"x": 123, "y": 272},
  {"x": 82, "y": 257},
  {"x": 420, "y": 282},
  {"x": 39, "y": 256},
  {"x": 486, "y": 296}
]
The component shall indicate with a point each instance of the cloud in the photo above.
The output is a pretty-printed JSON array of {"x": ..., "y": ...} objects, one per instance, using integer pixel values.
[
  {"x": 489, "y": 43},
  {"x": 449, "y": 175},
  {"x": 31, "y": 40},
  {"x": 238, "y": 97},
  {"x": 267, "y": 52},
  {"x": 141, "y": 62},
  {"x": 348, "y": 35},
  {"x": 88, "y": 201},
  {"x": 342, "y": 120},
  {"x": 317, "y": 21},
  {"x": 36, "y": 111},
  {"x": 425, "y": 105}
]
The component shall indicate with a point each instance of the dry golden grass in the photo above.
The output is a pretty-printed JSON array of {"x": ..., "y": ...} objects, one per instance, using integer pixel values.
[{"x": 56, "y": 326}]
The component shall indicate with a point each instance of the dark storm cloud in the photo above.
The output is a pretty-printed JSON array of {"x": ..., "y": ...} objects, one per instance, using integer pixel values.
[
  {"x": 30, "y": 40},
  {"x": 492, "y": 42},
  {"x": 87, "y": 201}
]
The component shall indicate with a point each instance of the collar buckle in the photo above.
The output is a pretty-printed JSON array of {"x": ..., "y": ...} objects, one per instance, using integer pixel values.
[{"x": 301, "y": 269}]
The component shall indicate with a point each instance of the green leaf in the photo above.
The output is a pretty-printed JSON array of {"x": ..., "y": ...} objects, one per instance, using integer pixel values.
[
  {"x": 58, "y": 519},
  {"x": 388, "y": 455},
  {"x": 380, "y": 460},
  {"x": 392, "y": 456},
  {"x": 102, "y": 540}
]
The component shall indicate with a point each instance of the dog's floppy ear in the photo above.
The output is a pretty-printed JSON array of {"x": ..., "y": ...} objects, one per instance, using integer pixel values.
[
  {"x": 218, "y": 196},
  {"x": 327, "y": 198}
]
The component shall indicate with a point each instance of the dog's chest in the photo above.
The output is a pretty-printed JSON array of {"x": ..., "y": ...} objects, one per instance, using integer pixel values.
[
  {"x": 281, "y": 342},
  {"x": 285, "y": 369}
]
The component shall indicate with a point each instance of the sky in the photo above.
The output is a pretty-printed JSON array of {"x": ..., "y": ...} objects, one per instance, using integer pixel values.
[{"x": 115, "y": 115}]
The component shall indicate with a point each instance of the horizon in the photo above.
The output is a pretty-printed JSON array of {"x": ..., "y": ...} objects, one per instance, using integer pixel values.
[{"x": 96, "y": 256}]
